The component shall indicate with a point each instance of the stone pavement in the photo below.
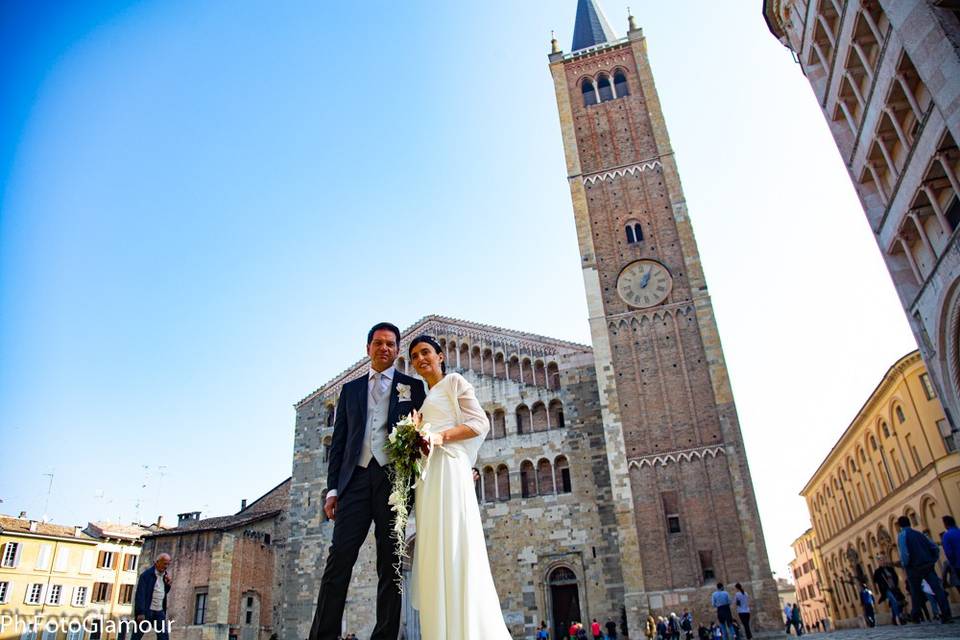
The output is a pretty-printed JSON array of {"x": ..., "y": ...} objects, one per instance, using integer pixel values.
[{"x": 926, "y": 631}]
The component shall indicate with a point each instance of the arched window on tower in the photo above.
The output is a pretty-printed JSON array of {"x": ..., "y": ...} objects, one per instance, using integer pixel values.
[
  {"x": 634, "y": 233},
  {"x": 545, "y": 477},
  {"x": 562, "y": 472},
  {"x": 604, "y": 88},
  {"x": 523, "y": 419},
  {"x": 489, "y": 485},
  {"x": 503, "y": 483},
  {"x": 589, "y": 92},
  {"x": 499, "y": 424},
  {"x": 620, "y": 84},
  {"x": 528, "y": 480},
  {"x": 556, "y": 414}
]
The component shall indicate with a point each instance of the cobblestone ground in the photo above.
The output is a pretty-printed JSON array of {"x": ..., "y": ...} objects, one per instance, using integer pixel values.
[{"x": 926, "y": 631}]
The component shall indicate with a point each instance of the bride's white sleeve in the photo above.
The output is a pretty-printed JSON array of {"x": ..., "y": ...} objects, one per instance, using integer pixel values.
[{"x": 471, "y": 412}]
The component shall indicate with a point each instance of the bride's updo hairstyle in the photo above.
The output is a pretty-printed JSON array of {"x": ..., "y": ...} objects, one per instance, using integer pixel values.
[{"x": 433, "y": 343}]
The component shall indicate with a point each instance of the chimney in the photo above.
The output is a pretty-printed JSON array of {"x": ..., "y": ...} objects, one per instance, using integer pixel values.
[
  {"x": 77, "y": 532},
  {"x": 243, "y": 504},
  {"x": 160, "y": 521},
  {"x": 190, "y": 516},
  {"x": 23, "y": 515},
  {"x": 33, "y": 526}
]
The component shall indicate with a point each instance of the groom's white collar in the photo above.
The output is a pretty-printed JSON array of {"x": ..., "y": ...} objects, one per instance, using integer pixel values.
[{"x": 387, "y": 373}]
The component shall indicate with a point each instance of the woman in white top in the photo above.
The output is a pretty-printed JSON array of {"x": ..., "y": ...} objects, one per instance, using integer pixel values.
[
  {"x": 743, "y": 609},
  {"x": 452, "y": 586}
]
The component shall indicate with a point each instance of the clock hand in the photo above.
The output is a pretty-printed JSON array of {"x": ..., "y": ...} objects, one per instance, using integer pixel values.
[{"x": 645, "y": 279}]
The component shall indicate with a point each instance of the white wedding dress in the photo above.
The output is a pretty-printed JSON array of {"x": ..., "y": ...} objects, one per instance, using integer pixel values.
[{"x": 451, "y": 583}]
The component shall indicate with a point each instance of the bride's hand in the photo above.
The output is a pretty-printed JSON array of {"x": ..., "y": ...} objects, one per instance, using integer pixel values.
[
  {"x": 417, "y": 417},
  {"x": 435, "y": 439}
]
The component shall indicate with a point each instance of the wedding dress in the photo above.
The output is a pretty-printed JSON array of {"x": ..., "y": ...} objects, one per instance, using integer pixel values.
[{"x": 451, "y": 585}]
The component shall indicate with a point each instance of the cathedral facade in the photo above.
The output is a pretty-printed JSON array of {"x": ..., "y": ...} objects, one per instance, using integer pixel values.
[{"x": 614, "y": 481}]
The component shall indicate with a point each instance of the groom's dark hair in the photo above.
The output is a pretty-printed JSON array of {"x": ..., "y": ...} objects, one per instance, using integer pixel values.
[{"x": 383, "y": 325}]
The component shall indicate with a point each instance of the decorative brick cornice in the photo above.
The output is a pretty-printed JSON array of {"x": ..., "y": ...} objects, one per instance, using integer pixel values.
[
  {"x": 609, "y": 174},
  {"x": 697, "y": 453}
]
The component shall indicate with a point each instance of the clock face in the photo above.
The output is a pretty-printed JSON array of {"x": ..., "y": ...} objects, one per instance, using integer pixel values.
[{"x": 644, "y": 283}]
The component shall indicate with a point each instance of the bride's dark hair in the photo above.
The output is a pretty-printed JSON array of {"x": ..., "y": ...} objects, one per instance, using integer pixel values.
[{"x": 433, "y": 343}]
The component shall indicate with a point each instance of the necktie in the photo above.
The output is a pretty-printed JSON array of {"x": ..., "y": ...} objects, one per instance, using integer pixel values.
[{"x": 377, "y": 391}]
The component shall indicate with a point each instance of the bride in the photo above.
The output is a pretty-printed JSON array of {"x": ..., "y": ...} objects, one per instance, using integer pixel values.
[{"x": 451, "y": 584}]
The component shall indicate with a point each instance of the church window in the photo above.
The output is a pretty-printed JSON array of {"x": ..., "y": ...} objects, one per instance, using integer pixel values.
[
  {"x": 503, "y": 483},
  {"x": 928, "y": 389},
  {"x": 873, "y": 443},
  {"x": 671, "y": 509},
  {"x": 326, "y": 449},
  {"x": 523, "y": 419},
  {"x": 620, "y": 84},
  {"x": 562, "y": 470},
  {"x": 900, "y": 417},
  {"x": 886, "y": 429},
  {"x": 589, "y": 93},
  {"x": 556, "y": 414},
  {"x": 499, "y": 424},
  {"x": 545, "y": 477},
  {"x": 634, "y": 233},
  {"x": 528, "y": 480},
  {"x": 604, "y": 88},
  {"x": 630, "y": 239},
  {"x": 489, "y": 485},
  {"x": 330, "y": 415},
  {"x": 706, "y": 565}
]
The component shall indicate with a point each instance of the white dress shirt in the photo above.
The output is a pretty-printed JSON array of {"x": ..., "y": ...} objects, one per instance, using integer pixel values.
[{"x": 156, "y": 601}]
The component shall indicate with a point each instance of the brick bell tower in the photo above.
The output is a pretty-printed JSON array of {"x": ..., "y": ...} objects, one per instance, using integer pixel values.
[{"x": 686, "y": 511}]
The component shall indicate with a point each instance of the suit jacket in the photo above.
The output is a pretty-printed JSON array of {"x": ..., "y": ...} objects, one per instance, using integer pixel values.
[
  {"x": 350, "y": 424},
  {"x": 145, "y": 585}
]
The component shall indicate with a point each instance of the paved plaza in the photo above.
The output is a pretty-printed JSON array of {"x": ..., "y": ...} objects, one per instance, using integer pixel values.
[{"x": 927, "y": 631}]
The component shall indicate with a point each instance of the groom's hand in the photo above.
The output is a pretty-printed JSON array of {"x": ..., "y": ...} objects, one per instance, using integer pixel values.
[{"x": 330, "y": 508}]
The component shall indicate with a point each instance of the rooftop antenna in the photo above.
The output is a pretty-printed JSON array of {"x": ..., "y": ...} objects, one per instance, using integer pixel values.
[{"x": 46, "y": 504}]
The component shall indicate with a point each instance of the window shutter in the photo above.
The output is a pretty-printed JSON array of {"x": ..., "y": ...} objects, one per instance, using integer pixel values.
[
  {"x": 16, "y": 554},
  {"x": 86, "y": 566},
  {"x": 62, "y": 560},
  {"x": 100, "y": 559},
  {"x": 6, "y": 594},
  {"x": 43, "y": 558}
]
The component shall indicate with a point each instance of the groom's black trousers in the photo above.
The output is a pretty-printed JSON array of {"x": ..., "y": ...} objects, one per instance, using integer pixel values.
[{"x": 364, "y": 500}]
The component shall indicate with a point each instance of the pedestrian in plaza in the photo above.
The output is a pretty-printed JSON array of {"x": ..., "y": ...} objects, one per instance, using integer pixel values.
[
  {"x": 573, "y": 630},
  {"x": 796, "y": 619},
  {"x": 686, "y": 624},
  {"x": 743, "y": 609},
  {"x": 931, "y": 598},
  {"x": 650, "y": 630},
  {"x": 595, "y": 629},
  {"x": 869, "y": 612},
  {"x": 918, "y": 555},
  {"x": 788, "y": 616},
  {"x": 673, "y": 627},
  {"x": 611, "y": 629},
  {"x": 721, "y": 602},
  {"x": 581, "y": 632},
  {"x": 542, "y": 633},
  {"x": 661, "y": 628},
  {"x": 887, "y": 585},
  {"x": 951, "y": 549},
  {"x": 150, "y": 601}
]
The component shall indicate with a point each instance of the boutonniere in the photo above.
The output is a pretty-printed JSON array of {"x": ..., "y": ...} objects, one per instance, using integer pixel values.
[{"x": 403, "y": 392}]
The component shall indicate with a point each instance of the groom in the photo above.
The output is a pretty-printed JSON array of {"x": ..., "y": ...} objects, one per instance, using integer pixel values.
[{"x": 359, "y": 486}]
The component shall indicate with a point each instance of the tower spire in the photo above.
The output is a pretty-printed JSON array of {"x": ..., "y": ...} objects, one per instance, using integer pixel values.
[{"x": 591, "y": 27}]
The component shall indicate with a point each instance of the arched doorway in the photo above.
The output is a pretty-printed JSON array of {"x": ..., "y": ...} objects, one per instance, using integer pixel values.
[{"x": 565, "y": 600}]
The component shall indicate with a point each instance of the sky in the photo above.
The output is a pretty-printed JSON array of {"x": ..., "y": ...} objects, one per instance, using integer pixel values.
[{"x": 204, "y": 206}]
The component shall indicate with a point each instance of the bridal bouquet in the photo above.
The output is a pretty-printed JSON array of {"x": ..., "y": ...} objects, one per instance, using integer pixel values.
[{"x": 406, "y": 451}]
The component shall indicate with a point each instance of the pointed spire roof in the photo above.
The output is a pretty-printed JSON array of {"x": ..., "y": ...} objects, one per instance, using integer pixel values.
[{"x": 591, "y": 27}]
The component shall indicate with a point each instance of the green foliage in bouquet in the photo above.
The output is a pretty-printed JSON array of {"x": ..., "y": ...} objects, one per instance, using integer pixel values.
[{"x": 403, "y": 450}]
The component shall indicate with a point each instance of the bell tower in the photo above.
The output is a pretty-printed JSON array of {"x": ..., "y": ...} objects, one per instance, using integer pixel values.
[{"x": 686, "y": 511}]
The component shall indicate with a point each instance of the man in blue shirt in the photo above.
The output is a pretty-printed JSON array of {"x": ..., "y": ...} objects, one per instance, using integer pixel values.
[
  {"x": 951, "y": 549},
  {"x": 918, "y": 555},
  {"x": 721, "y": 600}
]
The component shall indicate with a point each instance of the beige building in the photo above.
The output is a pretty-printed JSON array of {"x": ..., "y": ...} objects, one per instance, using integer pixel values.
[
  {"x": 886, "y": 76},
  {"x": 805, "y": 568},
  {"x": 114, "y": 573},
  {"x": 897, "y": 457},
  {"x": 46, "y": 573}
]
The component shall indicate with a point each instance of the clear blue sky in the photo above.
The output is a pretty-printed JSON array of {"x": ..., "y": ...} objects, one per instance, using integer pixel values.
[{"x": 203, "y": 206}]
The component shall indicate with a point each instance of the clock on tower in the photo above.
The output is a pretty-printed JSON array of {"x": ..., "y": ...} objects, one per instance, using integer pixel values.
[{"x": 686, "y": 511}]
